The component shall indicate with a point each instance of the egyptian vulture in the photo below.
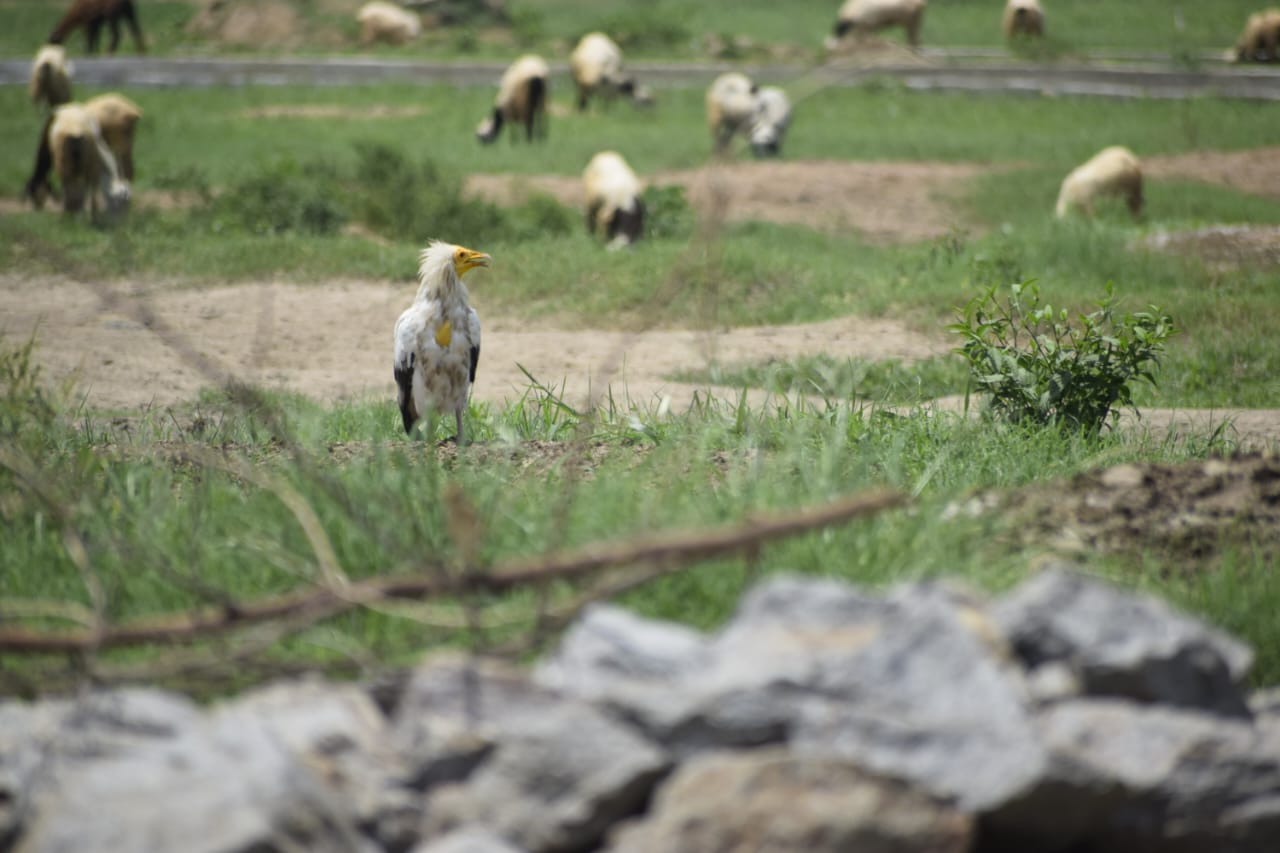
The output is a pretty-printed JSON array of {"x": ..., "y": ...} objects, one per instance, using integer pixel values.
[{"x": 438, "y": 338}]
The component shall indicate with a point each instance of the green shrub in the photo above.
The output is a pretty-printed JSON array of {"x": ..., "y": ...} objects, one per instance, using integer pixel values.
[
  {"x": 281, "y": 198},
  {"x": 540, "y": 216},
  {"x": 1039, "y": 368}
]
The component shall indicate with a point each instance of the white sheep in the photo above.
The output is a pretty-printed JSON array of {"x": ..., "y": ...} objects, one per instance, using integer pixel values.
[
  {"x": 1023, "y": 17},
  {"x": 522, "y": 98},
  {"x": 862, "y": 17},
  {"x": 614, "y": 204},
  {"x": 770, "y": 120},
  {"x": 387, "y": 22},
  {"x": 1113, "y": 171},
  {"x": 72, "y": 145},
  {"x": 1260, "y": 39},
  {"x": 118, "y": 120},
  {"x": 596, "y": 66},
  {"x": 731, "y": 106},
  {"x": 50, "y": 76}
]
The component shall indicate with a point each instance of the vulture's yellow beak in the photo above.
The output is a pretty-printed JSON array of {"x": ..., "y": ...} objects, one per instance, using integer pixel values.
[{"x": 466, "y": 259}]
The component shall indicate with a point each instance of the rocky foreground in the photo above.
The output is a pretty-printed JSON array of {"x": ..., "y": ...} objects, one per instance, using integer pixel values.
[{"x": 1065, "y": 716}]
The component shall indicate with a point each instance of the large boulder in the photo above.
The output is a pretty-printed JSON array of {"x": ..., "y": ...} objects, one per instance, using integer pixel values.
[
  {"x": 222, "y": 784},
  {"x": 41, "y": 743},
  {"x": 1134, "y": 778},
  {"x": 545, "y": 772},
  {"x": 339, "y": 733},
  {"x": 916, "y": 684},
  {"x": 767, "y": 799},
  {"x": 1124, "y": 644}
]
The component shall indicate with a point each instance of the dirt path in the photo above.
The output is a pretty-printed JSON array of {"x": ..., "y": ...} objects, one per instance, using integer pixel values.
[
  {"x": 912, "y": 200},
  {"x": 130, "y": 349},
  {"x": 331, "y": 341}
]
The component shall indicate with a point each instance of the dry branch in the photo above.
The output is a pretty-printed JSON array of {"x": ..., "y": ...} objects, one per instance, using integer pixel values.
[{"x": 302, "y": 608}]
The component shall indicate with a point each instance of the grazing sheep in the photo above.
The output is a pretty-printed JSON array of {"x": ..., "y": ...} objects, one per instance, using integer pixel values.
[
  {"x": 387, "y": 22},
  {"x": 72, "y": 145},
  {"x": 1260, "y": 40},
  {"x": 1023, "y": 17},
  {"x": 118, "y": 119},
  {"x": 770, "y": 121},
  {"x": 92, "y": 14},
  {"x": 522, "y": 97},
  {"x": 1113, "y": 171},
  {"x": 731, "y": 106},
  {"x": 596, "y": 65},
  {"x": 50, "y": 76},
  {"x": 869, "y": 16},
  {"x": 614, "y": 205}
]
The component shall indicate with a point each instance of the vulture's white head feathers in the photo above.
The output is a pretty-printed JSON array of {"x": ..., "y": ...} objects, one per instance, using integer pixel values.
[{"x": 441, "y": 265}]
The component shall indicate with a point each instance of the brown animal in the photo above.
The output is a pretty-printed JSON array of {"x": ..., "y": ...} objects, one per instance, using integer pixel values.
[
  {"x": 1260, "y": 40},
  {"x": 522, "y": 99},
  {"x": 731, "y": 106},
  {"x": 1023, "y": 17},
  {"x": 50, "y": 76},
  {"x": 862, "y": 17},
  {"x": 71, "y": 144},
  {"x": 92, "y": 14},
  {"x": 615, "y": 208},
  {"x": 1113, "y": 171},
  {"x": 118, "y": 119}
]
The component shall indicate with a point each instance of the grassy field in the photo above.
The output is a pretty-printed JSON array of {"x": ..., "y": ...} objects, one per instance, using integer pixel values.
[
  {"x": 147, "y": 512},
  {"x": 672, "y": 28}
]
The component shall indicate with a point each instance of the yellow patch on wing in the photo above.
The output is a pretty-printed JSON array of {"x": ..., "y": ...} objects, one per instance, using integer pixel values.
[{"x": 444, "y": 333}]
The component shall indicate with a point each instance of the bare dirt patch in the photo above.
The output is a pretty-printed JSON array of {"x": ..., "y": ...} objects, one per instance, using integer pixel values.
[
  {"x": 1223, "y": 246},
  {"x": 263, "y": 23},
  {"x": 332, "y": 111},
  {"x": 1189, "y": 511},
  {"x": 159, "y": 345},
  {"x": 886, "y": 202},
  {"x": 1253, "y": 170}
]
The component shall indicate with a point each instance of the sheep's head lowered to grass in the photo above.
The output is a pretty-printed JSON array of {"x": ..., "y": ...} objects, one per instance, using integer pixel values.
[
  {"x": 522, "y": 98},
  {"x": 770, "y": 122}
]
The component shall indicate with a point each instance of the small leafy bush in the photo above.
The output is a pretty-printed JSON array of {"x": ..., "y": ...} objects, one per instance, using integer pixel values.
[{"x": 1040, "y": 368}]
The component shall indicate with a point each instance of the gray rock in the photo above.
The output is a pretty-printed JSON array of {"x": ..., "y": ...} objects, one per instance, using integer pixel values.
[
  {"x": 338, "y": 732},
  {"x": 933, "y": 700},
  {"x": 228, "y": 784},
  {"x": 738, "y": 688},
  {"x": 555, "y": 773},
  {"x": 1125, "y": 644},
  {"x": 768, "y": 800},
  {"x": 469, "y": 839},
  {"x": 1133, "y": 778},
  {"x": 40, "y": 741},
  {"x": 917, "y": 684}
]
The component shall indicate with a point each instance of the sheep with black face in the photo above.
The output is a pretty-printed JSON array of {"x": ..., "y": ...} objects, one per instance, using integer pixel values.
[
  {"x": 522, "y": 99},
  {"x": 615, "y": 209}
]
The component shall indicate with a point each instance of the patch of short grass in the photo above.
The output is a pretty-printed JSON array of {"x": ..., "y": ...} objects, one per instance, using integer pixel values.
[
  {"x": 677, "y": 28},
  {"x": 890, "y": 381},
  {"x": 170, "y": 519}
]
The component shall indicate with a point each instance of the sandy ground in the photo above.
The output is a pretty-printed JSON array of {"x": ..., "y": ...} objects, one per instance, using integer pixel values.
[{"x": 159, "y": 346}]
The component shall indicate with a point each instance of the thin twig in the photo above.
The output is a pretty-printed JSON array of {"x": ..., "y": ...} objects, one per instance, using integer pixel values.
[{"x": 309, "y": 606}]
